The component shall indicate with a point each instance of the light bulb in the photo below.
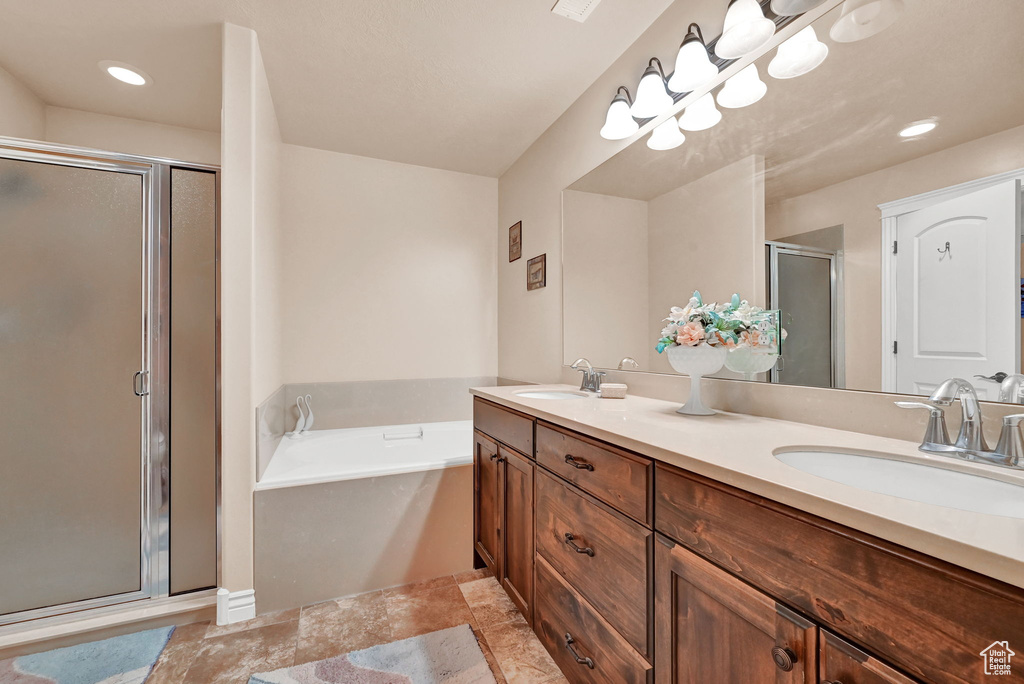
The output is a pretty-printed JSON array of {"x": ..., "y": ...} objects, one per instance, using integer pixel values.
[
  {"x": 789, "y": 8},
  {"x": 693, "y": 66},
  {"x": 743, "y": 89},
  {"x": 862, "y": 19},
  {"x": 619, "y": 123},
  {"x": 918, "y": 128},
  {"x": 746, "y": 30},
  {"x": 652, "y": 98},
  {"x": 125, "y": 73},
  {"x": 798, "y": 55},
  {"x": 666, "y": 136},
  {"x": 701, "y": 115}
]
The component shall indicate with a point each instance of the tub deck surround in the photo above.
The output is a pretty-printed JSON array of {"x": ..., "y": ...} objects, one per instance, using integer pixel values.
[{"x": 738, "y": 450}]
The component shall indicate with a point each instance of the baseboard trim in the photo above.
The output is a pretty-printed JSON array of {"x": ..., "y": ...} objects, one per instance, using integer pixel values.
[{"x": 235, "y": 606}]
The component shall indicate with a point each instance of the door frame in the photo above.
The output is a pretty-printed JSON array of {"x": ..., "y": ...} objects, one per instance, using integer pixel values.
[
  {"x": 891, "y": 213},
  {"x": 155, "y": 172}
]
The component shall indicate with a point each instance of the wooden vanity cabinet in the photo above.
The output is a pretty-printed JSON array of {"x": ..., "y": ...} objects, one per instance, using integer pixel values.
[
  {"x": 840, "y": 662},
  {"x": 515, "y": 506},
  {"x": 715, "y": 629},
  {"x": 485, "y": 500}
]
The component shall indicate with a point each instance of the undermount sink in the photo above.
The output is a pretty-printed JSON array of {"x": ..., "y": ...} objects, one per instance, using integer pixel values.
[
  {"x": 907, "y": 479},
  {"x": 550, "y": 394}
]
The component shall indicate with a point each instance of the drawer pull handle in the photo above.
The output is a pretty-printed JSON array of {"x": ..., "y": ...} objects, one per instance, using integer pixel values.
[
  {"x": 784, "y": 658},
  {"x": 569, "y": 641},
  {"x": 578, "y": 549},
  {"x": 580, "y": 465}
]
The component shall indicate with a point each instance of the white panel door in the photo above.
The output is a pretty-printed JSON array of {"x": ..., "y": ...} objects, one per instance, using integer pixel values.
[{"x": 958, "y": 310}]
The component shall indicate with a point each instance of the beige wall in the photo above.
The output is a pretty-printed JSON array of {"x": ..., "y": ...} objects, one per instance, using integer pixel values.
[
  {"x": 854, "y": 203},
  {"x": 606, "y": 269},
  {"x": 131, "y": 136},
  {"x": 709, "y": 236},
  {"x": 22, "y": 114},
  {"x": 389, "y": 269},
  {"x": 249, "y": 134}
]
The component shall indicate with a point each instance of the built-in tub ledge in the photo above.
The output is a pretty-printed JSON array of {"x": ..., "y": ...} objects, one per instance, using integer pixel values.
[{"x": 740, "y": 450}]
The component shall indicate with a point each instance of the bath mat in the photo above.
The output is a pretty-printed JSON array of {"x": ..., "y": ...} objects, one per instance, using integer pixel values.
[
  {"x": 451, "y": 656},
  {"x": 125, "y": 659}
]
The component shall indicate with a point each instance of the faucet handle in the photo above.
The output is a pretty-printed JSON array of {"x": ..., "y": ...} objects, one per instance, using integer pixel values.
[
  {"x": 935, "y": 435},
  {"x": 1010, "y": 448}
]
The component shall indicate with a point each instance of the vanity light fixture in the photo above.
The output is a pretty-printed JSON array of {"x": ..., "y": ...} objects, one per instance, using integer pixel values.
[
  {"x": 666, "y": 135},
  {"x": 790, "y": 8},
  {"x": 743, "y": 89},
  {"x": 862, "y": 19},
  {"x": 619, "y": 124},
  {"x": 746, "y": 30},
  {"x": 918, "y": 128},
  {"x": 693, "y": 65},
  {"x": 701, "y": 115},
  {"x": 652, "y": 97},
  {"x": 802, "y": 53},
  {"x": 125, "y": 73}
]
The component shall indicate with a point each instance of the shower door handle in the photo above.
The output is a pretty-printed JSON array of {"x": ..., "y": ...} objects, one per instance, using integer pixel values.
[{"x": 140, "y": 383}]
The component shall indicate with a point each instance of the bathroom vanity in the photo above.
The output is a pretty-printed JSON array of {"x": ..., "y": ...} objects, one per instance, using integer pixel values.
[{"x": 643, "y": 546}]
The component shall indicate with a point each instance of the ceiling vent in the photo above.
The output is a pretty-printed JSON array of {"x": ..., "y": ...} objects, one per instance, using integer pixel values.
[{"x": 577, "y": 10}]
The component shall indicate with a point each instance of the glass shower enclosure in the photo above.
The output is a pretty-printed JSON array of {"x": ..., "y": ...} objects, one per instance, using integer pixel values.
[{"x": 84, "y": 376}]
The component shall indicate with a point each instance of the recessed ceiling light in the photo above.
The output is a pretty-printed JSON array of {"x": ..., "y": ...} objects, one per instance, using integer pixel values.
[
  {"x": 918, "y": 128},
  {"x": 125, "y": 73}
]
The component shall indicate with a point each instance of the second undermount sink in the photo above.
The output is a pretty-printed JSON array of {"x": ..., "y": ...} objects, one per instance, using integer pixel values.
[
  {"x": 550, "y": 394},
  {"x": 908, "y": 479}
]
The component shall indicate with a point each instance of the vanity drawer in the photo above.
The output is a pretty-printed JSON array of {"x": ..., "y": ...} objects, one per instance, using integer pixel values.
[
  {"x": 561, "y": 612},
  {"x": 619, "y": 478},
  {"x": 615, "y": 578},
  {"x": 504, "y": 425},
  {"x": 928, "y": 617}
]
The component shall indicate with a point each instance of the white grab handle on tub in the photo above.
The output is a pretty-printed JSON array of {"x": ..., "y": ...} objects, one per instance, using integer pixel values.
[
  {"x": 390, "y": 436},
  {"x": 301, "y": 422}
]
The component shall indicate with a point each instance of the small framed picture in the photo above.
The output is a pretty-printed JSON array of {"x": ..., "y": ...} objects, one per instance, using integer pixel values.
[
  {"x": 515, "y": 242},
  {"x": 537, "y": 272}
]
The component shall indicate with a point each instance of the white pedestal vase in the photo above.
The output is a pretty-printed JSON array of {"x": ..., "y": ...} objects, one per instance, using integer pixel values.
[{"x": 696, "y": 362}]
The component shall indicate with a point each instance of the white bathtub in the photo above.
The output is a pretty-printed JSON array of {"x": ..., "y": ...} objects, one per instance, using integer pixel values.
[{"x": 352, "y": 453}]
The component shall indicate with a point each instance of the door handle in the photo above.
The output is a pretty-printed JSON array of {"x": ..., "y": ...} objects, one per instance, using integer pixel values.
[
  {"x": 140, "y": 384},
  {"x": 998, "y": 377}
]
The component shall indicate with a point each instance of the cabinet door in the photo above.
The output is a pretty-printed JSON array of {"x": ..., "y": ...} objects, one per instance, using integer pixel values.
[
  {"x": 516, "y": 564},
  {"x": 840, "y": 662},
  {"x": 485, "y": 511},
  {"x": 712, "y": 628}
]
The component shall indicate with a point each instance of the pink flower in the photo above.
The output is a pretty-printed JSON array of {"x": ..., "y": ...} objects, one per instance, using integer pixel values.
[
  {"x": 691, "y": 334},
  {"x": 751, "y": 338}
]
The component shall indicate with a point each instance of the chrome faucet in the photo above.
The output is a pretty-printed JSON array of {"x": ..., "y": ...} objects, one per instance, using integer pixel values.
[
  {"x": 970, "y": 442},
  {"x": 628, "y": 363},
  {"x": 591, "y": 378}
]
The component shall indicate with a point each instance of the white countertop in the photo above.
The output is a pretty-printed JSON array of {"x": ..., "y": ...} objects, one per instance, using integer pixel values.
[{"x": 739, "y": 450}]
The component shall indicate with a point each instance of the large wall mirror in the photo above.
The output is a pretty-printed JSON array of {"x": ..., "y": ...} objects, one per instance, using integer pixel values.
[{"x": 893, "y": 255}]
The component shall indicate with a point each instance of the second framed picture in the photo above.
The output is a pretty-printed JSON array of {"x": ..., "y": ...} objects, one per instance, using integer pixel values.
[{"x": 537, "y": 272}]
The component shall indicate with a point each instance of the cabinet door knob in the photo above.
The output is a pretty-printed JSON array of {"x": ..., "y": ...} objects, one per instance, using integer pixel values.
[
  {"x": 577, "y": 463},
  {"x": 494, "y": 456},
  {"x": 784, "y": 658},
  {"x": 569, "y": 641},
  {"x": 578, "y": 549}
]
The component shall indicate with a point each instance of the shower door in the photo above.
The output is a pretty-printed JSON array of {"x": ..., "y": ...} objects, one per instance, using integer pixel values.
[{"x": 82, "y": 495}]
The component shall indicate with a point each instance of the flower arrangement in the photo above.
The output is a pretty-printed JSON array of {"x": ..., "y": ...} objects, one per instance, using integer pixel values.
[{"x": 733, "y": 325}]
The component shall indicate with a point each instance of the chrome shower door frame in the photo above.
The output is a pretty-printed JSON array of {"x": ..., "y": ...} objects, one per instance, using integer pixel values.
[{"x": 154, "y": 580}]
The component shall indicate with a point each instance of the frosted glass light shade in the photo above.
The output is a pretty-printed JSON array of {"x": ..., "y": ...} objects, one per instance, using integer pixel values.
[
  {"x": 746, "y": 30},
  {"x": 701, "y": 115},
  {"x": 693, "y": 67},
  {"x": 862, "y": 19},
  {"x": 789, "y": 8},
  {"x": 798, "y": 55},
  {"x": 652, "y": 98},
  {"x": 743, "y": 89},
  {"x": 619, "y": 123},
  {"x": 666, "y": 136}
]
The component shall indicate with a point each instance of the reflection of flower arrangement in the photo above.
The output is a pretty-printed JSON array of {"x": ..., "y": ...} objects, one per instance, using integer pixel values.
[{"x": 733, "y": 325}]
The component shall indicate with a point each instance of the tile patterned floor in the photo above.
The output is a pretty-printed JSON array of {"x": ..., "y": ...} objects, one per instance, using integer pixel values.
[{"x": 203, "y": 653}]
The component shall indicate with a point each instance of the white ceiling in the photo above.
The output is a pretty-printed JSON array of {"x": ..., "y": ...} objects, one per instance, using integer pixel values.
[{"x": 454, "y": 84}]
